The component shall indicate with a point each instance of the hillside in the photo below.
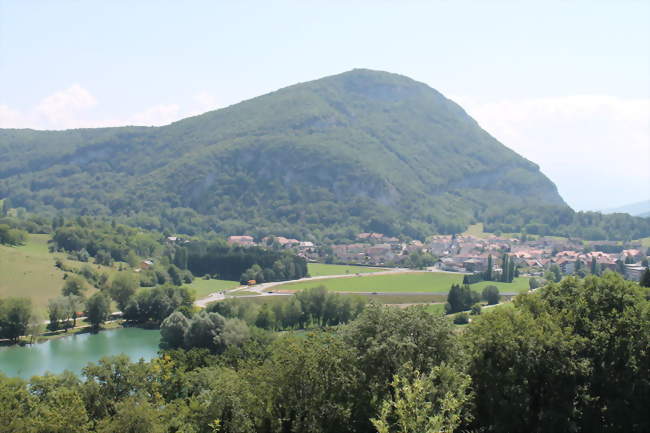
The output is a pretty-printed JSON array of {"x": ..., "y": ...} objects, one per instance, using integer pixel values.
[{"x": 363, "y": 150}]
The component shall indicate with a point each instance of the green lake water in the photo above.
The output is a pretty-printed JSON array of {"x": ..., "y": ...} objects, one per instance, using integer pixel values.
[{"x": 75, "y": 352}]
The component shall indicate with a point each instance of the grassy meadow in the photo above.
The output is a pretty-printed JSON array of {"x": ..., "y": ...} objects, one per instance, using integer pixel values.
[
  {"x": 322, "y": 269},
  {"x": 29, "y": 271},
  {"x": 431, "y": 282},
  {"x": 203, "y": 287}
]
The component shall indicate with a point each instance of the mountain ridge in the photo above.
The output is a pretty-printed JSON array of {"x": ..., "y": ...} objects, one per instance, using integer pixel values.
[{"x": 358, "y": 150}]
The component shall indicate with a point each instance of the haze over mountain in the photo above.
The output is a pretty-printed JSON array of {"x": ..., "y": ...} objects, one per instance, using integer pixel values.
[
  {"x": 362, "y": 150},
  {"x": 641, "y": 208}
]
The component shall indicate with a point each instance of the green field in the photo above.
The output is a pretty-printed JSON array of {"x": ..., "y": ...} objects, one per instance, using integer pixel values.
[
  {"x": 29, "y": 271},
  {"x": 519, "y": 284},
  {"x": 321, "y": 269},
  {"x": 645, "y": 242},
  {"x": 402, "y": 282},
  {"x": 205, "y": 287},
  {"x": 435, "y": 308}
]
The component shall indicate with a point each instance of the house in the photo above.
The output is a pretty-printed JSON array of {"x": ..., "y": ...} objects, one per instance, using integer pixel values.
[
  {"x": 634, "y": 254},
  {"x": 244, "y": 241},
  {"x": 475, "y": 264},
  {"x": 634, "y": 272},
  {"x": 567, "y": 265},
  {"x": 146, "y": 264}
]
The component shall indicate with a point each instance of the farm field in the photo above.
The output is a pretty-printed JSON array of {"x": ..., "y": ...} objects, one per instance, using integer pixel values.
[
  {"x": 645, "y": 242},
  {"x": 435, "y": 309},
  {"x": 322, "y": 269},
  {"x": 205, "y": 287},
  {"x": 29, "y": 271},
  {"x": 519, "y": 284},
  {"x": 403, "y": 282}
]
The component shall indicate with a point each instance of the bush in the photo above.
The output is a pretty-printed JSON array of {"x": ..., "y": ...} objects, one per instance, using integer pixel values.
[
  {"x": 461, "y": 319},
  {"x": 491, "y": 295},
  {"x": 460, "y": 298},
  {"x": 476, "y": 309}
]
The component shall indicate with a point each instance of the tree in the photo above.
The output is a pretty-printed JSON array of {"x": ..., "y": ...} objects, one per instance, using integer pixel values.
[
  {"x": 72, "y": 305},
  {"x": 595, "y": 268},
  {"x": 57, "y": 314},
  {"x": 461, "y": 318},
  {"x": 505, "y": 268},
  {"x": 429, "y": 403},
  {"x": 265, "y": 318},
  {"x": 15, "y": 314},
  {"x": 460, "y": 298},
  {"x": 172, "y": 330},
  {"x": 11, "y": 236},
  {"x": 235, "y": 333},
  {"x": 74, "y": 285},
  {"x": 489, "y": 273},
  {"x": 476, "y": 309},
  {"x": 132, "y": 259},
  {"x": 203, "y": 329},
  {"x": 98, "y": 309},
  {"x": 528, "y": 362},
  {"x": 175, "y": 275},
  {"x": 645, "y": 279},
  {"x": 123, "y": 287},
  {"x": 103, "y": 257},
  {"x": 533, "y": 283},
  {"x": 556, "y": 272},
  {"x": 180, "y": 257},
  {"x": 386, "y": 339},
  {"x": 491, "y": 295},
  {"x": 35, "y": 326},
  {"x": 133, "y": 415}
]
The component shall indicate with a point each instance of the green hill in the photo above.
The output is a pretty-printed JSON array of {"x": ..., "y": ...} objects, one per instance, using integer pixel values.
[{"x": 363, "y": 150}]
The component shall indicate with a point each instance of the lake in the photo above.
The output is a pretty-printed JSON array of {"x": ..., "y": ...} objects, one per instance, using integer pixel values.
[{"x": 75, "y": 352}]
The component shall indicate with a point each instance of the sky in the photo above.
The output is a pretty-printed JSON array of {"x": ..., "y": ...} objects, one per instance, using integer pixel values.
[{"x": 564, "y": 83}]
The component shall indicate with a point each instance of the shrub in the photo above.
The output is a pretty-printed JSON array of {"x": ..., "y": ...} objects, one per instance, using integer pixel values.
[
  {"x": 491, "y": 295},
  {"x": 461, "y": 319}
]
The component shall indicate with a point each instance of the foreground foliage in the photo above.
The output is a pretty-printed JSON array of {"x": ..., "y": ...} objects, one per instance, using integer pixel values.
[{"x": 571, "y": 357}]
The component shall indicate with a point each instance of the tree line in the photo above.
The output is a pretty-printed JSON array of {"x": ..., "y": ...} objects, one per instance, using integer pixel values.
[
  {"x": 243, "y": 263},
  {"x": 570, "y": 357}
]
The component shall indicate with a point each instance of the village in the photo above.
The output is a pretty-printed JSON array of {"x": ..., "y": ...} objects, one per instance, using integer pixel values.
[{"x": 471, "y": 254}]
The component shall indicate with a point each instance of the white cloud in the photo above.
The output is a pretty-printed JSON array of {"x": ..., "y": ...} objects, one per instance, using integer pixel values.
[
  {"x": 157, "y": 115},
  {"x": 74, "y": 108},
  {"x": 62, "y": 108},
  {"x": 595, "y": 147},
  {"x": 10, "y": 118},
  {"x": 205, "y": 101}
]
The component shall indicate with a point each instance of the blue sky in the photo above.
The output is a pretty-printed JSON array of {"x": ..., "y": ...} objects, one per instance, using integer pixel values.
[{"x": 566, "y": 84}]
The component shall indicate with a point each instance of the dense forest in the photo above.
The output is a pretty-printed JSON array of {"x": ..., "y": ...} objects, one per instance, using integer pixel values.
[
  {"x": 571, "y": 357},
  {"x": 359, "y": 151},
  {"x": 243, "y": 263},
  {"x": 562, "y": 221}
]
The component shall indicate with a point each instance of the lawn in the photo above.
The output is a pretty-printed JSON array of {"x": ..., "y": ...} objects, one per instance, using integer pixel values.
[
  {"x": 321, "y": 269},
  {"x": 29, "y": 271},
  {"x": 436, "y": 309},
  {"x": 645, "y": 242},
  {"x": 436, "y": 282},
  {"x": 519, "y": 284},
  {"x": 205, "y": 287}
]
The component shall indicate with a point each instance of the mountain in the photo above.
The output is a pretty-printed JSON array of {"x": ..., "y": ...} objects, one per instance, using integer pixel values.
[
  {"x": 362, "y": 150},
  {"x": 641, "y": 209}
]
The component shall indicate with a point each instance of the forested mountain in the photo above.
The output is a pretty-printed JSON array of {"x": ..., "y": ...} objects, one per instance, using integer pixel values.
[{"x": 363, "y": 150}]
